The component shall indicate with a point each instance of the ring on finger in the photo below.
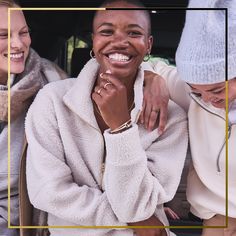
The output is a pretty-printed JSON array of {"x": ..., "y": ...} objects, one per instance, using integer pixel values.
[
  {"x": 106, "y": 84},
  {"x": 155, "y": 110}
]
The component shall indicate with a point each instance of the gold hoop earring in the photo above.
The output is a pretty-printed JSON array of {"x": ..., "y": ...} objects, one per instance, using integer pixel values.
[
  {"x": 147, "y": 57},
  {"x": 92, "y": 55}
]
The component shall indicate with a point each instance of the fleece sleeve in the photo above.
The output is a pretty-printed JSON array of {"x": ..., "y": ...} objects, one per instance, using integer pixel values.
[
  {"x": 50, "y": 182},
  {"x": 178, "y": 89},
  {"x": 138, "y": 177}
]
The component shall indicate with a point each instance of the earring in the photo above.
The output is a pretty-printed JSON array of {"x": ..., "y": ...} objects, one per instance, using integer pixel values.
[
  {"x": 147, "y": 57},
  {"x": 92, "y": 55}
]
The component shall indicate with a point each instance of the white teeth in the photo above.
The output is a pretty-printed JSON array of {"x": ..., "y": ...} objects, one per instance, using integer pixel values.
[
  {"x": 16, "y": 55},
  {"x": 118, "y": 57}
]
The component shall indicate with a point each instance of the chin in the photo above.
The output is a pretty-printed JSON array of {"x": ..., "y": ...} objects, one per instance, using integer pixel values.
[{"x": 17, "y": 69}]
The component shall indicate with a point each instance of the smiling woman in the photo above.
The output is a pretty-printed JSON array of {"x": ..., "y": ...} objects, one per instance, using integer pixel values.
[
  {"x": 97, "y": 166},
  {"x": 29, "y": 73},
  {"x": 19, "y": 40}
]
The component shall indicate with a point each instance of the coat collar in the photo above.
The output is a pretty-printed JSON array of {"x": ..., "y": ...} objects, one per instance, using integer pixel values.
[
  {"x": 78, "y": 98},
  {"x": 208, "y": 107}
]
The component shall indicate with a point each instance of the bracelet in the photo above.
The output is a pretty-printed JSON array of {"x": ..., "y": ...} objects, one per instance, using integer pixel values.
[{"x": 123, "y": 127}]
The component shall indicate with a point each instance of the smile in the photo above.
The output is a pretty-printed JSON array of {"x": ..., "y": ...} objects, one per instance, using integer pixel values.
[
  {"x": 15, "y": 55},
  {"x": 119, "y": 57}
]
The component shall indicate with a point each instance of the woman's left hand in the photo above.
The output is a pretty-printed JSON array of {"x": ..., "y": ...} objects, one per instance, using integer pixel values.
[
  {"x": 110, "y": 97},
  {"x": 155, "y": 102}
]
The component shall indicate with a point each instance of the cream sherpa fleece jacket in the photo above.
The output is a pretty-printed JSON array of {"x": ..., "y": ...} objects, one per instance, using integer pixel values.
[{"x": 66, "y": 150}]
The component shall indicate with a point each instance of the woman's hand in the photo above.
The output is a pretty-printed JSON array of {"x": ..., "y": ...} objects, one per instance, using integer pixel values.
[
  {"x": 170, "y": 213},
  {"x": 110, "y": 97},
  {"x": 152, "y": 221},
  {"x": 155, "y": 102}
]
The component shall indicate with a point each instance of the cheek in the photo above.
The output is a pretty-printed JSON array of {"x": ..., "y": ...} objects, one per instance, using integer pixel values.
[
  {"x": 142, "y": 47},
  {"x": 27, "y": 43},
  {"x": 3, "y": 46}
]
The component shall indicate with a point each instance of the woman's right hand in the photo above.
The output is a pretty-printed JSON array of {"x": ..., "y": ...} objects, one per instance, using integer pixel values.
[{"x": 110, "y": 97}]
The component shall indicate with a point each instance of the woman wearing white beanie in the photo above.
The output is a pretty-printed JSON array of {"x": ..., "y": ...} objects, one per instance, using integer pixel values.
[{"x": 200, "y": 60}]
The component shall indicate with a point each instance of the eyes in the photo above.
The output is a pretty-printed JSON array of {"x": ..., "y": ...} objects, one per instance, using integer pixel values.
[
  {"x": 213, "y": 92},
  {"x": 22, "y": 33},
  {"x": 130, "y": 33}
]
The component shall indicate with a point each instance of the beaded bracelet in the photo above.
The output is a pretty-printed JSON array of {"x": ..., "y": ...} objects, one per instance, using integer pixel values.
[{"x": 123, "y": 127}]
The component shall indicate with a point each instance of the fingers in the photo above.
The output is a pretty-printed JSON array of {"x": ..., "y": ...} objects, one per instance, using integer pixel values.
[
  {"x": 152, "y": 119},
  {"x": 147, "y": 111},
  {"x": 110, "y": 78},
  {"x": 162, "y": 119},
  {"x": 141, "y": 117}
]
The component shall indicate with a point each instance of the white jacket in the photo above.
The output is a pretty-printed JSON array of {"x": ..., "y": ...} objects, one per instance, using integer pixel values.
[
  {"x": 206, "y": 186},
  {"x": 66, "y": 150}
]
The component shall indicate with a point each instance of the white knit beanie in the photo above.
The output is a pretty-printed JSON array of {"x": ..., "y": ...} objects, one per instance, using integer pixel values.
[{"x": 200, "y": 57}]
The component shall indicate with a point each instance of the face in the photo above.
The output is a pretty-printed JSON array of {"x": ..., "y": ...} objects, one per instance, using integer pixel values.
[
  {"x": 213, "y": 93},
  {"x": 19, "y": 41},
  {"x": 121, "y": 40}
]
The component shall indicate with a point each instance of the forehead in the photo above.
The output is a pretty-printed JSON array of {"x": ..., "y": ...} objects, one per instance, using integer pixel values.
[
  {"x": 121, "y": 18},
  {"x": 17, "y": 19}
]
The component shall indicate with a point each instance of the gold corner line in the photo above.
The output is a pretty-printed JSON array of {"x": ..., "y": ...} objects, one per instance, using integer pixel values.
[
  {"x": 8, "y": 119},
  {"x": 226, "y": 150},
  {"x": 118, "y": 227}
]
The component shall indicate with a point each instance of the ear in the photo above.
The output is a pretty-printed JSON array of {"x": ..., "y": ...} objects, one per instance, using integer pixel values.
[
  {"x": 92, "y": 36},
  {"x": 150, "y": 42}
]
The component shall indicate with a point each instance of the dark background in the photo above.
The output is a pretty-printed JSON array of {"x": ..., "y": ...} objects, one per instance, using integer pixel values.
[{"x": 51, "y": 29}]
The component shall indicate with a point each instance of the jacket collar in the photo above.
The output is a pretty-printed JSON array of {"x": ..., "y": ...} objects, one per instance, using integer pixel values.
[
  {"x": 78, "y": 98},
  {"x": 208, "y": 107}
]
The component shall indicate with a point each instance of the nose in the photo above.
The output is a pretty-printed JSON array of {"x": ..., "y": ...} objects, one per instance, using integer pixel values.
[
  {"x": 16, "y": 42},
  {"x": 120, "y": 40}
]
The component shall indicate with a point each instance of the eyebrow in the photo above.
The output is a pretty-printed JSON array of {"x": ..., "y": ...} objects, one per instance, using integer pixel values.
[{"x": 129, "y": 26}]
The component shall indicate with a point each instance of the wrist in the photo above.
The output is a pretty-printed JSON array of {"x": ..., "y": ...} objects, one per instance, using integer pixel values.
[{"x": 126, "y": 125}]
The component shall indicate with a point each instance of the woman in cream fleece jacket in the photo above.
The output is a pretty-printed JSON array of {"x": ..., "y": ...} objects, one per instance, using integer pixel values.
[{"x": 72, "y": 136}]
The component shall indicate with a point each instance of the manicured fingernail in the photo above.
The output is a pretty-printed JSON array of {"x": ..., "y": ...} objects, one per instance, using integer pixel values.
[
  {"x": 108, "y": 72},
  {"x": 101, "y": 75},
  {"x": 160, "y": 131}
]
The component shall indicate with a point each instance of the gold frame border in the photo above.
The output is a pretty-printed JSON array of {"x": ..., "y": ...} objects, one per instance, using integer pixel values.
[{"x": 100, "y": 227}]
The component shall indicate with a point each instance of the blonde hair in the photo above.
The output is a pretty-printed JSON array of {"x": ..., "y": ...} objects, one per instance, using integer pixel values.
[{"x": 8, "y": 3}]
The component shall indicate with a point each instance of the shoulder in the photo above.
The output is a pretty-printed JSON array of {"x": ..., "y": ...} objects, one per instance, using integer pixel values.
[
  {"x": 52, "y": 71},
  {"x": 53, "y": 93}
]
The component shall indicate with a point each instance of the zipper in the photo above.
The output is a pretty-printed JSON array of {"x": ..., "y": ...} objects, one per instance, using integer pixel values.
[
  {"x": 218, "y": 157},
  {"x": 229, "y": 132},
  {"x": 213, "y": 113},
  {"x": 102, "y": 168}
]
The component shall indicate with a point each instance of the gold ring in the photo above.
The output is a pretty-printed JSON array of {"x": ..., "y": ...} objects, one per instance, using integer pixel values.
[
  {"x": 105, "y": 85},
  {"x": 155, "y": 110},
  {"x": 99, "y": 91}
]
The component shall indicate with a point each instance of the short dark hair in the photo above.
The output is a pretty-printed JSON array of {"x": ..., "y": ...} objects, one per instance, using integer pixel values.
[{"x": 136, "y": 3}]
